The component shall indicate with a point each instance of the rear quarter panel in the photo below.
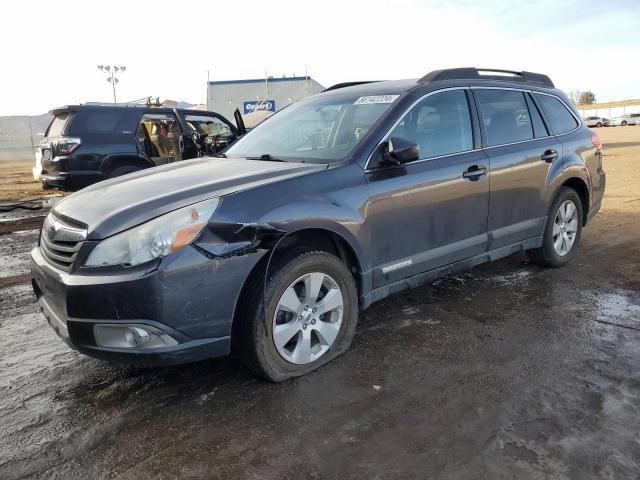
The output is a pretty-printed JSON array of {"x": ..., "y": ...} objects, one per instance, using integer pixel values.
[{"x": 582, "y": 160}]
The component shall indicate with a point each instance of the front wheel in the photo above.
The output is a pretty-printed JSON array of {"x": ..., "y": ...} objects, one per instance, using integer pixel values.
[
  {"x": 305, "y": 317},
  {"x": 598, "y": 124},
  {"x": 624, "y": 124},
  {"x": 562, "y": 232}
]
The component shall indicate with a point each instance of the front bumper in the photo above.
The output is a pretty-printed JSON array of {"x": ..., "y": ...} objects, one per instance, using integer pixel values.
[{"x": 186, "y": 295}]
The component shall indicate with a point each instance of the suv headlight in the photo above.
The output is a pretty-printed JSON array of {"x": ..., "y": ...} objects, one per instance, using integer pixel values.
[{"x": 156, "y": 238}]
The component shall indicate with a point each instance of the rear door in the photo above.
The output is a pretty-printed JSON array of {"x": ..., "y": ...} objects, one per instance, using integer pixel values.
[
  {"x": 522, "y": 153},
  {"x": 159, "y": 135},
  {"x": 433, "y": 211}
]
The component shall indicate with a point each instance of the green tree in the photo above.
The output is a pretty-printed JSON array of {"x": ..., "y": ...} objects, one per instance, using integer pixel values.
[{"x": 587, "y": 98}]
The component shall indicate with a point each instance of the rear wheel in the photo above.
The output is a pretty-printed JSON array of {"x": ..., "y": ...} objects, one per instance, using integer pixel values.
[
  {"x": 304, "y": 318},
  {"x": 562, "y": 232}
]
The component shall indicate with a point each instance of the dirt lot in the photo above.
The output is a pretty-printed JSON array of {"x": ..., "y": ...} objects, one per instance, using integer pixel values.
[
  {"x": 508, "y": 371},
  {"x": 16, "y": 181}
]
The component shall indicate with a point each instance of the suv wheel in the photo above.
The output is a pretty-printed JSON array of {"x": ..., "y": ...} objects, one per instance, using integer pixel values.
[
  {"x": 562, "y": 232},
  {"x": 118, "y": 172},
  {"x": 599, "y": 124},
  {"x": 624, "y": 124},
  {"x": 305, "y": 317}
]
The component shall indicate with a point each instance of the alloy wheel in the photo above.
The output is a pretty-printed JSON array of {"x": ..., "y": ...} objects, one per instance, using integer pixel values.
[
  {"x": 307, "y": 318},
  {"x": 565, "y": 228}
]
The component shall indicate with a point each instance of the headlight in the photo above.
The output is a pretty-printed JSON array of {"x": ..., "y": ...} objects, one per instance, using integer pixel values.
[{"x": 155, "y": 239}]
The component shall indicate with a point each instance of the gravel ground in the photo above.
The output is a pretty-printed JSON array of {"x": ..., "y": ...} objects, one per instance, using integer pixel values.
[{"x": 507, "y": 371}]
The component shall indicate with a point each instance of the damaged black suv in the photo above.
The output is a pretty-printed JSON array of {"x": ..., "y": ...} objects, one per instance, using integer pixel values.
[
  {"x": 85, "y": 144},
  {"x": 333, "y": 203}
]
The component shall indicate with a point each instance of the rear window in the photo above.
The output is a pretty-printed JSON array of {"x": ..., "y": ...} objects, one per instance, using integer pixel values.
[
  {"x": 97, "y": 121},
  {"x": 57, "y": 125},
  {"x": 505, "y": 115},
  {"x": 559, "y": 118}
]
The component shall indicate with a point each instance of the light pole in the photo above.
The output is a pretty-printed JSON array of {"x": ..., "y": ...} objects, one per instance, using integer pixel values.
[{"x": 111, "y": 71}]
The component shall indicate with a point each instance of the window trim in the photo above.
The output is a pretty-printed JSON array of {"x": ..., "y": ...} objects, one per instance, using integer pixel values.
[
  {"x": 478, "y": 119},
  {"x": 404, "y": 113}
]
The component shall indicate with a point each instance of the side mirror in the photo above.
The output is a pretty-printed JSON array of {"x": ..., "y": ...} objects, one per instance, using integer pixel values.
[{"x": 400, "y": 150}]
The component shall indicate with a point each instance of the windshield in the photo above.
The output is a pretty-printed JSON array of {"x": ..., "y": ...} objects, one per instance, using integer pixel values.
[{"x": 322, "y": 129}]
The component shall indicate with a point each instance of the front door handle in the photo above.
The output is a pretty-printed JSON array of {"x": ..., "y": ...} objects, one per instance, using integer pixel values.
[
  {"x": 549, "y": 156},
  {"x": 474, "y": 172}
]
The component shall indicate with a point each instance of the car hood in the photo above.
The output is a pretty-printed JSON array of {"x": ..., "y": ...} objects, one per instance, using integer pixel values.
[{"x": 112, "y": 206}]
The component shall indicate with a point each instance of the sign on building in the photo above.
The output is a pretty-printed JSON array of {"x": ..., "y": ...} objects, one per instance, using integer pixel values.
[{"x": 259, "y": 105}]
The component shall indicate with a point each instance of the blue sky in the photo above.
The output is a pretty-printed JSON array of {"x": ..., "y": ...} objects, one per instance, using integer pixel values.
[{"x": 51, "y": 49}]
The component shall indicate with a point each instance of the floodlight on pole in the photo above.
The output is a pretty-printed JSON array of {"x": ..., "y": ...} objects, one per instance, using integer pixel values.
[{"x": 111, "y": 71}]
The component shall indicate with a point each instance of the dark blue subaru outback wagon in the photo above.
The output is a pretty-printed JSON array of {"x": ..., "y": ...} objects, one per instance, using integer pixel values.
[{"x": 331, "y": 204}]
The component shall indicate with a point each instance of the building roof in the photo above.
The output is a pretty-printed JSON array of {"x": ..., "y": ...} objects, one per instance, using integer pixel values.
[{"x": 260, "y": 80}]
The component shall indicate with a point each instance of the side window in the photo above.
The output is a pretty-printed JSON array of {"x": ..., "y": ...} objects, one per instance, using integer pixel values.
[
  {"x": 99, "y": 121},
  {"x": 539, "y": 129},
  {"x": 210, "y": 133},
  {"x": 440, "y": 124},
  {"x": 559, "y": 118},
  {"x": 207, "y": 125},
  {"x": 505, "y": 116}
]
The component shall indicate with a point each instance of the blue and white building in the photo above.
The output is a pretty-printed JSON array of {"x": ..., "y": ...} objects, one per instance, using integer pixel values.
[{"x": 266, "y": 94}]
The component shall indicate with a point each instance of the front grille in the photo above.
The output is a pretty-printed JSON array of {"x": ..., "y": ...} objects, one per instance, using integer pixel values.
[{"x": 60, "y": 242}]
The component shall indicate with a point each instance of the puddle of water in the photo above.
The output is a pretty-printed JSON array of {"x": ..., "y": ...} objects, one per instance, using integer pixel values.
[{"x": 619, "y": 308}]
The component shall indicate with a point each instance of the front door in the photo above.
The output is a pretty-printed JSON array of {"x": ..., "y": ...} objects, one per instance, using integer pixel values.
[
  {"x": 209, "y": 134},
  {"x": 433, "y": 211}
]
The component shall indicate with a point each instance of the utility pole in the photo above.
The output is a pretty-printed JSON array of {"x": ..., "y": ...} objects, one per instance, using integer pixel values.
[
  {"x": 208, "y": 88},
  {"x": 111, "y": 71}
]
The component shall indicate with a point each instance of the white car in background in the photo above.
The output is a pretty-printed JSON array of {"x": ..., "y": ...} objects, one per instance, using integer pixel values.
[
  {"x": 596, "y": 122},
  {"x": 624, "y": 120}
]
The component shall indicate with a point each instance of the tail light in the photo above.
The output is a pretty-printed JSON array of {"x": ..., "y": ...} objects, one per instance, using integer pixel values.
[
  {"x": 595, "y": 140},
  {"x": 66, "y": 145}
]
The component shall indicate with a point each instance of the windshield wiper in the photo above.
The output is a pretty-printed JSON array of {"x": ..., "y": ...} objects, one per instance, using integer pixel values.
[{"x": 266, "y": 157}]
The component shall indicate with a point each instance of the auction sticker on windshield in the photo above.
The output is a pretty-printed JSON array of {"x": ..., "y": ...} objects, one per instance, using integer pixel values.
[{"x": 376, "y": 99}]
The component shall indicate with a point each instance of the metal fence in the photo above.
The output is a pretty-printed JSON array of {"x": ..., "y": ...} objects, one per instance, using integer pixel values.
[{"x": 19, "y": 135}]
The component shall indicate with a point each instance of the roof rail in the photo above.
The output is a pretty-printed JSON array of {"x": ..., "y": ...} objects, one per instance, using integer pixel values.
[
  {"x": 347, "y": 84},
  {"x": 478, "y": 74}
]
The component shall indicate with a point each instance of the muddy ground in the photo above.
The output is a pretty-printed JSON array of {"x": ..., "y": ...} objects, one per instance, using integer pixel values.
[{"x": 508, "y": 371}]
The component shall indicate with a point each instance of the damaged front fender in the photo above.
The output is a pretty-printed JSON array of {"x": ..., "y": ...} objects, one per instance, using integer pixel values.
[{"x": 223, "y": 240}]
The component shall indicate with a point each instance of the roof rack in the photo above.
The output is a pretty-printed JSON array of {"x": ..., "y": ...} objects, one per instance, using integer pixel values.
[
  {"x": 478, "y": 74},
  {"x": 347, "y": 84}
]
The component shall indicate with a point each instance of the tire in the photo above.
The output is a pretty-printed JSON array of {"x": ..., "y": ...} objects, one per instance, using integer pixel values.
[
  {"x": 598, "y": 124},
  {"x": 624, "y": 124},
  {"x": 548, "y": 255},
  {"x": 255, "y": 329},
  {"x": 118, "y": 172}
]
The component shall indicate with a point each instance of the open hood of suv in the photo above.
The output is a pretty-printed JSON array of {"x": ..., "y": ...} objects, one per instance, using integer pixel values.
[{"x": 112, "y": 206}]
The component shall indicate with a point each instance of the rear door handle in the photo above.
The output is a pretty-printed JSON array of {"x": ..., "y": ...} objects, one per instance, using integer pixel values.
[
  {"x": 474, "y": 172},
  {"x": 549, "y": 156}
]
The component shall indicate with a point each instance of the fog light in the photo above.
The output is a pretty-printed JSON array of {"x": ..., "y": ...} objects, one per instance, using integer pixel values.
[{"x": 131, "y": 336}]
